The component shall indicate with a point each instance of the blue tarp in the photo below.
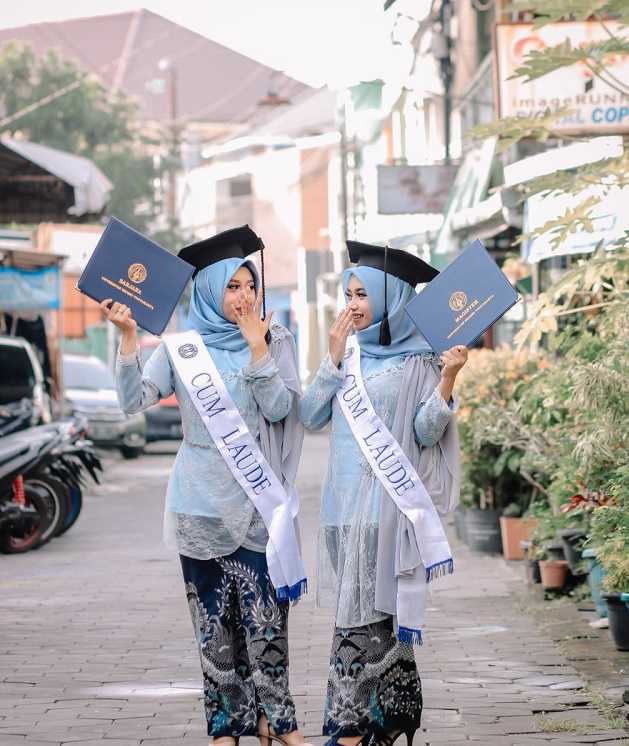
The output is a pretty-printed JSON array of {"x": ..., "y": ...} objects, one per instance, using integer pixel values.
[{"x": 30, "y": 289}]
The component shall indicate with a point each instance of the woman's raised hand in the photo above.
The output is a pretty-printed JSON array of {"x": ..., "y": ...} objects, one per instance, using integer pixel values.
[
  {"x": 120, "y": 316},
  {"x": 339, "y": 332},
  {"x": 453, "y": 360},
  {"x": 252, "y": 327}
]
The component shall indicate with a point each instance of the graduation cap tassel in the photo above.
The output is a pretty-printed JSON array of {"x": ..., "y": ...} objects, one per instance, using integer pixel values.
[
  {"x": 385, "y": 331},
  {"x": 267, "y": 336}
]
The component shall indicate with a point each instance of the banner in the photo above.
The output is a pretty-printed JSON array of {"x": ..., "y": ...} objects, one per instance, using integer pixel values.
[
  {"x": 597, "y": 108},
  {"x": 414, "y": 189},
  {"x": 29, "y": 289}
]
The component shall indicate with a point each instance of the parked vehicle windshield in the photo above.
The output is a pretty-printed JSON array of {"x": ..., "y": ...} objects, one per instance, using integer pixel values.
[
  {"x": 87, "y": 374},
  {"x": 17, "y": 378}
]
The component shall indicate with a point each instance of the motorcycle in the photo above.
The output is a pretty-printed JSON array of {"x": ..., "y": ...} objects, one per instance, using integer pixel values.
[
  {"x": 42, "y": 473},
  {"x": 15, "y": 416}
]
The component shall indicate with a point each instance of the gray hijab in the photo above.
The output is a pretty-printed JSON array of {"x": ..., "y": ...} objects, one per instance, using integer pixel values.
[{"x": 439, "y": 469}]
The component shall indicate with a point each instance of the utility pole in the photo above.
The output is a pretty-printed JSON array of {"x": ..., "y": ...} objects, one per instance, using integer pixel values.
[
  {"x": 342, "y": 114},
  {"x": 166, "y": 66},
  {"x": 447, "y": 71}
]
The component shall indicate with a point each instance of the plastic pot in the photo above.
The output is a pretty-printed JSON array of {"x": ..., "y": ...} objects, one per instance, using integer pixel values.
[
  {"x": 572, "y": 539},
  {"x": 554, "y": 573},
  {"x": 459, "y": 523},
  {"x": 618, "y": 615},
  {"x": 555, "y": 551},
  {"x": 482, "y": 529},
  {"x": 596, "y": 573}
]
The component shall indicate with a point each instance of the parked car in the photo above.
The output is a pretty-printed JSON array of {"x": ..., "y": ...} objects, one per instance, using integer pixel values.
[
  {"x": 90, "y": 390},
  {"x": 163, "y": 421},
  {"x": 21, "y": 377}
]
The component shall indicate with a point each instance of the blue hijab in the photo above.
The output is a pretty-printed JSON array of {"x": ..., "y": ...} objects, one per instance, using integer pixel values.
[
  {"x": 205, "y": 314},
  {"x": 405, "y": 337}
]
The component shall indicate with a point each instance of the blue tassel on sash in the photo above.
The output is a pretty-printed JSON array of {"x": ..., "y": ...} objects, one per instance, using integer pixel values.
[
  {"x": 294, "y": 593},
  {"x": 439, "y": 569},
  {"x": 410, "y": 636}
]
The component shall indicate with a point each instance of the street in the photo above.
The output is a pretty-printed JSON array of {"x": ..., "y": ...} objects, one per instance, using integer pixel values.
[{"x": 97, "y": 647}]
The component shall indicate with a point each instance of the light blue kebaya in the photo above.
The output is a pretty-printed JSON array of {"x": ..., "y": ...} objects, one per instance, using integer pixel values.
[
  {"x": 207, "y": 514},
  {"x": 352, "y": 498}
]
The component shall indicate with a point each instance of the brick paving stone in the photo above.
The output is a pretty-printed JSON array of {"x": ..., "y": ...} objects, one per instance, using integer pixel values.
[{"x": 122, "y": 668}]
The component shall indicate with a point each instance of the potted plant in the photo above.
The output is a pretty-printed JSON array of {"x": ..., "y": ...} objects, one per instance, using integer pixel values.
[
  {"x": 610, "y": 533},
  {"x": 491, "y": 477},
  {"x": 578, "y": 510}
]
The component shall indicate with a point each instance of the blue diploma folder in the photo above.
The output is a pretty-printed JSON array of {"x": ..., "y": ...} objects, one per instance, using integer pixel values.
[
  {"x": 463, "y": 301},
  {"x": 133, "y": 270}
]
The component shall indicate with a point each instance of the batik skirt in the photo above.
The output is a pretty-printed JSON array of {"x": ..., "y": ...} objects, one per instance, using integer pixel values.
[
  {"x": 241, "y": 630},
  {"x": 374, "y": 688}
]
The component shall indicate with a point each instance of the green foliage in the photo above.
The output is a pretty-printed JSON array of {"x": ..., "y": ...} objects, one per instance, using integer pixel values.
[
  {"x": 85, "y": 119},
  {"x": 552, "y": 11},
  {"x": 594, "y": 56},
  {"x": 610, "y": 531},
  {"x": 608, "y": 174},
  {"x": 568, "y": 420},
  {"x": 492, "y": 473}
]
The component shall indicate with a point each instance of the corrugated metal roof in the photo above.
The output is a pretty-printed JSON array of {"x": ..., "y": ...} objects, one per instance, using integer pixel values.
[{"x": 214, "y": 83}]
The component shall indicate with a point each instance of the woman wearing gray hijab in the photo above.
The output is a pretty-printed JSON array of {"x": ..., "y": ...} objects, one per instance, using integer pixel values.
[{"x": 394, "y": 464}]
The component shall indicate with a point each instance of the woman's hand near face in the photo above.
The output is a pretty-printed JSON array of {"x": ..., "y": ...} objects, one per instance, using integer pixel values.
[
  {"x": 252, "y": 327},
  {"x": 120, "y": 316},
  {"x": 453, "y": 360},
  {"x": 339, "y": 332}
]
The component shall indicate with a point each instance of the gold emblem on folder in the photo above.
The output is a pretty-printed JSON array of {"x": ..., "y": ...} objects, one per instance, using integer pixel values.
[
  {"x": 458, "y": 300},
  {"x": 137, "y": 273}
]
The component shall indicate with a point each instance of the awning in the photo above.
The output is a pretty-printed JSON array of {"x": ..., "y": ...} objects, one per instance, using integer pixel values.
[
  {"x": 40, "y": 183},
  {"x": 610, "y": 220},
  {"x": 469, "y": 190},
  {"x": 472, "y": 214}
]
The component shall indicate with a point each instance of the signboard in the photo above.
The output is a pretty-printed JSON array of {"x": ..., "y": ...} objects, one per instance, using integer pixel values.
[
  {"x": 609, "y": 221},
  {"x": 597, "y": 108},
  {"x": 413, "y": 189},
  {"x": 29, "y": 289}
]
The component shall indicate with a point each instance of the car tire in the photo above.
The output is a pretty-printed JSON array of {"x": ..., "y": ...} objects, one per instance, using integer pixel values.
[{"x": 129, "y": 452}]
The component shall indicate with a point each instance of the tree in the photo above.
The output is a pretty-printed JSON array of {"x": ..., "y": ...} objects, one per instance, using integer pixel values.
[
  {"x": 52, "y": 101},
  {"x": 603, "y": 279}
]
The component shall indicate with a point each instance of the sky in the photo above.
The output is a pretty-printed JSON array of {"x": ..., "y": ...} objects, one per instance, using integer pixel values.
[{"x": 334, "y": 42}]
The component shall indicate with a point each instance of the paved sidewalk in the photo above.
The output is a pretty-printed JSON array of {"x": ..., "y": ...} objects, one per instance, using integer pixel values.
[{"x": 96, "y": 644}]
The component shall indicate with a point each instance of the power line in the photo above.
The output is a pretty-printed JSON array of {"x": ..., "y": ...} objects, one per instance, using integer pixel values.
[{"x": 76, "y": 84}]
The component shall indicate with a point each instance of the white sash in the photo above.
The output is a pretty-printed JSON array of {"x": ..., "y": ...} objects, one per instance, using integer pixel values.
[
  {"x": 244, "y": 458},
  {"x": 397, "y": 475}
]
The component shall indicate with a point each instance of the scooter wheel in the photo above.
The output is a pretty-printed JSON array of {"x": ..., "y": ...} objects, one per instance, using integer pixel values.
[
  {"x": 56, "y": 500},
  {"x": 31, "y": 536},
  {"x": 63, "y": 495}
]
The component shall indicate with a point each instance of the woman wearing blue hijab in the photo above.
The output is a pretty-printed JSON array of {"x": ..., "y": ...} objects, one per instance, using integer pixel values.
[
  {"x": 239, "y": 621},
  {"x": 374, "y": 689}
]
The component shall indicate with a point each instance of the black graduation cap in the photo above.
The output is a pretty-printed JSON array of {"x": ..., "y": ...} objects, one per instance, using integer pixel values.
[
  {"x": 407, "y": 267},
  {"x": 235, "y": 243}
]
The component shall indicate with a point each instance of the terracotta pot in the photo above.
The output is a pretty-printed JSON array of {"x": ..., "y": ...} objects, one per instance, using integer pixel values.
[
  {"x": 513, "y": 532},
  {"x": 553, "y": 573}
]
